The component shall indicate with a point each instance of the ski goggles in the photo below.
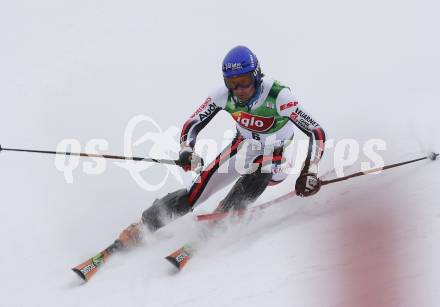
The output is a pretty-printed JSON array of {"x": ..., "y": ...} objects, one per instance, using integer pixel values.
[{"x": 241, "y": 81}]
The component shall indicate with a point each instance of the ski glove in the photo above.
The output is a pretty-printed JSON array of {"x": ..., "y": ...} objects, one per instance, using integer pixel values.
[
  {"x": 188, "y": 160},
  {"x": 308, "y": 182}
]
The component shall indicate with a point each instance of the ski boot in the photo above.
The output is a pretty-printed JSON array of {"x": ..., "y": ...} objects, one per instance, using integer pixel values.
[{"x": 131, "y": 235}]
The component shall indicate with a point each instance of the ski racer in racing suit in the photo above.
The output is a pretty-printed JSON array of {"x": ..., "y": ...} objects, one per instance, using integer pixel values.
[{"x": 266, "y": 114}]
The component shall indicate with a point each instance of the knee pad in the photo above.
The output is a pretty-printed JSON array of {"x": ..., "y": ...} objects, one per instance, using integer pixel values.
[{"x": 166, "y": 209}]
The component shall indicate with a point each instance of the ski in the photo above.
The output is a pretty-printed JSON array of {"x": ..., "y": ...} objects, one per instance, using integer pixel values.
[
  {"x": 88, "y": 268},
  {"x": 215, "y": 216},
  {"x": 181, "y": 256}
]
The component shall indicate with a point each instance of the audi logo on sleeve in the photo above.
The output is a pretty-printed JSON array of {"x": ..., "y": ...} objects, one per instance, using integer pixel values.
[{"x": 253, "y": 122}]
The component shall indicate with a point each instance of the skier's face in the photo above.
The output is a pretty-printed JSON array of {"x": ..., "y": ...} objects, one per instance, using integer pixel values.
[
  {"x": 244, "y": 94},
  {"x": 241, "y": 86}
]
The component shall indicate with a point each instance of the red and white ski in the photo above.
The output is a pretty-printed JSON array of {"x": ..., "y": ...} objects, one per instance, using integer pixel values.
[{"x": 215, "y": 216}]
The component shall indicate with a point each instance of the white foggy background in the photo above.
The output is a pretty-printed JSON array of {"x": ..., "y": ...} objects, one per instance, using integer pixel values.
[{"x": 83, "y": 69}]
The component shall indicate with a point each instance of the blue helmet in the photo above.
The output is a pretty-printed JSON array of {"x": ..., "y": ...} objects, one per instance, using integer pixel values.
[{"x": 241, "y": 60}]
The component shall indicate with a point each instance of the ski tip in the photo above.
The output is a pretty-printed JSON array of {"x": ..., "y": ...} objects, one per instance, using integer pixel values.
[
  {"x": 173, "y": 261},
  {"x": 87, "y": 269},
  {"x": 80, "y": 274},
  {"x": 180, "y": 257},
  {"x": 433, "y": 156}
]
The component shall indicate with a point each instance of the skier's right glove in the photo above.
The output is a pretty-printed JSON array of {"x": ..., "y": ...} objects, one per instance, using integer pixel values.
[{"x": 188, "y": 160}]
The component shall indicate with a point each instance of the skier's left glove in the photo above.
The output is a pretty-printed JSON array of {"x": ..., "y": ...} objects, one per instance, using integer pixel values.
[
  {"x": 308, "y": 182},
  {"x": 188, "y": 160}
]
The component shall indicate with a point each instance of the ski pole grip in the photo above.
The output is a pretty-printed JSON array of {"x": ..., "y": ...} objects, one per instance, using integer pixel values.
[{"x": 0, "y": 147}]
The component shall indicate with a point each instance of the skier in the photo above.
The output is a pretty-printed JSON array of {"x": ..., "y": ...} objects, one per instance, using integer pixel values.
[{"x": 265, "y": 112}]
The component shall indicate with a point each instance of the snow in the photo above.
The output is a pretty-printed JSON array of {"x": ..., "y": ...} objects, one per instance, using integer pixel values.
[{"x": 83, "y": 69}]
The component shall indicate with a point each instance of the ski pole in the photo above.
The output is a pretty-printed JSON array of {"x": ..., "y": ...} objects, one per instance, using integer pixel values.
[
  {"x": 432, "y": 156},
  {"x": 82, "y": 154},
  {"x": 221, "y": 215}
]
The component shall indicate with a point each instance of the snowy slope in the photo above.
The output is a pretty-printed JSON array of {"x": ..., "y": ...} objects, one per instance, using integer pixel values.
[{"x": 83, "y": 69}]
